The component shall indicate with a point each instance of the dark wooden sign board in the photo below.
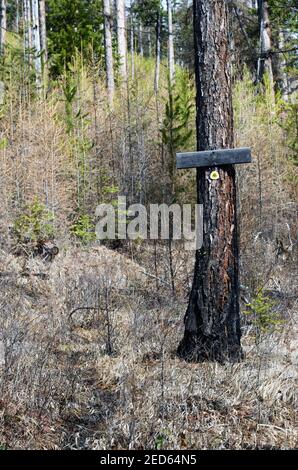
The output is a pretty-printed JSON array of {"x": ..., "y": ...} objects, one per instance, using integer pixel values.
[{"x": 212, "y": 158}]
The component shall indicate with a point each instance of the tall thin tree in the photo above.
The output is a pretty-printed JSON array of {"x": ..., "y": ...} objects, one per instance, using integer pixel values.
[
  {"x": 212, "y": 324},
  {"x": 121, "y": 36},
  {"x": 109, "y": 50},
  {"x": 27, "y": 27},
  {"x": 284, "y": 79},
  {"x": 132, "y": 46},
  {"x": 36, "y": 41},
  {"x": 140, "y": 33},
  {"x": 157, "y": 49},
  {"x": 3, "y": 25},
  {"x": 171, "y": 59},
  {"x": 265, "y": 61},
  {"x": 43, "y": 30}
]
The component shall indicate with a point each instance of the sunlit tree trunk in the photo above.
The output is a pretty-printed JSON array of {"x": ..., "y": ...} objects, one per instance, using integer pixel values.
[
  {"x": 17, "y": 18},
  {"x": 212, "y": 324},
  {"x": 264, "y": 62},
  {"x": 171, "y": 59},
  {"x": 3, "y": 26},
  {"x": 284, "y": 79},
  {"x": 43, "y": 30},
  {"x": 141, "y": 49},
  {"x": 27, "y": 26},
  {"x": 132, "y": 48},
  {"x": 149, "y": 44},
  {"x": 157, "y": 52},
  {"x": 109, "y": 50},
  {"x": 36, "y": 41},
  {"x": 121, "y": 36}
]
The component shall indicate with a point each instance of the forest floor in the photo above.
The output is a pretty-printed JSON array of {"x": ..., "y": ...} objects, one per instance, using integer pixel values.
[{"x": 87, "y": 361}]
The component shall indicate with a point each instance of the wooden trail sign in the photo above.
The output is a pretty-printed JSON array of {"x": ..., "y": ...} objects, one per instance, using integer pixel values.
[{"x": 213, "y": 158}]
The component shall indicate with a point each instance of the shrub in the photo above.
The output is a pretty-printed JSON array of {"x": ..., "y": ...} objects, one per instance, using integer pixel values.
[
  {"x": 34, "y": 224},
  {"x": 265, "y": 318},
  {"x": 84, "y": 229}
]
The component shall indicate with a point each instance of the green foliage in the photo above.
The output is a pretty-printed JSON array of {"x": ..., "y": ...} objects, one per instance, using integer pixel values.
[
  {"x": 184, "y": 50},
  {"x": 147, "y": 11},
  {"x": 284, "y": 17},
  {"x": 69, "y": 92},
  {"x": 79, "y": 144},
  {"x": 178, "y": 130},
  {"x": 3, "y": 143},
  {"x": 159, "y": 441},
  {"x": 84, "y": 229},
  {"x": 284, "y": 14},
  {"x": 261, "y": 309},
  {"x": 16, "y": 71},
  {"x": 73, "y": 25},
  {"x": 34, "y": 224}
]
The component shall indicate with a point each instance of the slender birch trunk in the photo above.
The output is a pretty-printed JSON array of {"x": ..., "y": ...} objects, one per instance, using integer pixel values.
[
  {"x": 17, "y": 19},
  {"x": 27, "y": 26},
  {"x": 141, "y": 49},
  {"x": 121, "y": 36},
  {"x": 264, "y": 62},
  {"x": 157, "y": 52},
  {"x": 132, "y": 48},
  {"x": 43, "y": 30},
  {"x": 282, "y": 67},
  {"x": 3, "y": 26},
  {"x": 171, "y": 59},
  {"x": 109, "y": 50},
  {"x": 149, "y": 44},
  {"x": 36, "y": 41}
]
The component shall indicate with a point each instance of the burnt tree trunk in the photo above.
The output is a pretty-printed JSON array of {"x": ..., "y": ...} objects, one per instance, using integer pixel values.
[{"x": 212, "y": 325}]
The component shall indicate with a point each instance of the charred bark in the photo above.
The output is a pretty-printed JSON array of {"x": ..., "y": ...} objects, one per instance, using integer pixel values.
[{"x": 212, "y": 323}]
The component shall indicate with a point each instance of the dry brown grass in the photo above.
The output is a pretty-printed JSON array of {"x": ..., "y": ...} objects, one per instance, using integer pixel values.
[{"x": 60, "y": 388}]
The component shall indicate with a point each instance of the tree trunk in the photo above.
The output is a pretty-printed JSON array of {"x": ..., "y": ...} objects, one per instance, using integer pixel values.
[
  {"x": 3, "y": 26},
  {"x": 212, "y": 324},
  {"x": 149, "y": 44},
  {"x": 157, "y": 52},
  {"x": 17, "y": 17},
  {"x": 132, "y": 48},
  {"x": 264, "y": 62},
  {"x": 171, "y": 59},
  {"x": 109, "y": 51},
  {"x": 141, "y": 49},
  {"x": 121, "y": 35},
  {"x": 43, "y": 30},
  {"x": 284, "y": 80},
  {"x": 27, "y": 28},
  {"x": 36, "y": 41}
]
